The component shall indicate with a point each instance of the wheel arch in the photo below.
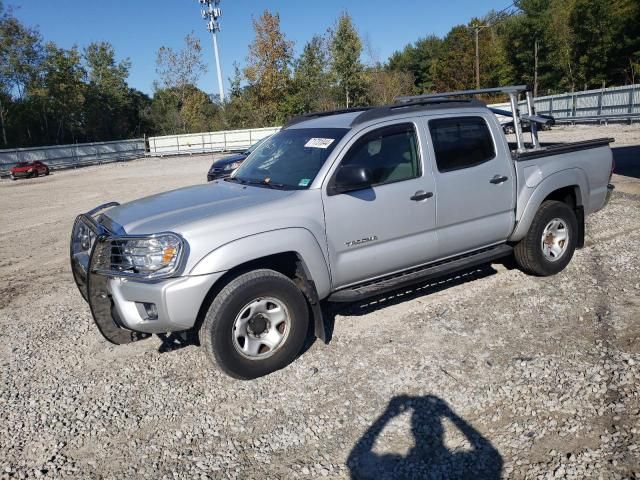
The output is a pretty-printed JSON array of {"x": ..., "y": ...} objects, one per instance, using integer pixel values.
[
  {"x": 302, "y": 261},
  {"x": 568, "y": 186}
]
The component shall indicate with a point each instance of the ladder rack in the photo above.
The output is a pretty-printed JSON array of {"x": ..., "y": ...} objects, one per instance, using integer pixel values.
[{"x": 514, "y": 92}]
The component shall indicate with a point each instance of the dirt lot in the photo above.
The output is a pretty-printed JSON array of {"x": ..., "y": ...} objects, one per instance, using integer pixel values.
[{"x": 492, "y": 372}]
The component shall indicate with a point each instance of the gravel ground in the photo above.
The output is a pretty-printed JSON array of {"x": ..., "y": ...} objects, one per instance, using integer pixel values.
[{"x": 486, "y": 374}]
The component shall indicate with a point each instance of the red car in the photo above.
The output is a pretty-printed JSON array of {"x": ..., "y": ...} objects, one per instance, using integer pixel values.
[{"x": 28, "y": 170}]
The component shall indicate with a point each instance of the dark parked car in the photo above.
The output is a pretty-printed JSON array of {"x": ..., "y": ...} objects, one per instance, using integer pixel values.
[
  {"x": 223, "y": 167},
  {"x": 28, "y": 170}
]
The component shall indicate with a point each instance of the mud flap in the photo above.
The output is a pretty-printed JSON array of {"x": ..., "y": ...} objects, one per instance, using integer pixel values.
[{"x": 308, "y": 288}]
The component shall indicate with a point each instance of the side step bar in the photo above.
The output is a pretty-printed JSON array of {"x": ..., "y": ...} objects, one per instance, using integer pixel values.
[{"x": 410, "y": 277}]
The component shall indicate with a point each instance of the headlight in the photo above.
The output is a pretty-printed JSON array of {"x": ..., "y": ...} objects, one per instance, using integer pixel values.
[
  {"x": 232, "y": 166},
  {"x": 154, "y": 256}
]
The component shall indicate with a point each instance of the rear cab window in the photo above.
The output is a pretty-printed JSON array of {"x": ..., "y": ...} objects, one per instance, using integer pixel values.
[{"x": 461, "y": 142}]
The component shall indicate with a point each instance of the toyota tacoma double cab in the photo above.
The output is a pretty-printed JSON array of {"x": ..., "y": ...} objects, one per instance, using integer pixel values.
[{"x": 337, "y": 206}]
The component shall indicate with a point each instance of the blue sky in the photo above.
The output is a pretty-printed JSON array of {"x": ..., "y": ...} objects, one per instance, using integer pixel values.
[{"x": 137, "y": 28}]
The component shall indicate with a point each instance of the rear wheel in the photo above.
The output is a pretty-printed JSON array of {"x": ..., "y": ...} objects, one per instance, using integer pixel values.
[
  {"x": 47, "y": 171},
  {"x": 256, "y": 325},
  {"x": 551, "y": 240}
]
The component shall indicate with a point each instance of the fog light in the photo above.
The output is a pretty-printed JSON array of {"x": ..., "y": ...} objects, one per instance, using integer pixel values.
[{"x": 151, "y": 310}]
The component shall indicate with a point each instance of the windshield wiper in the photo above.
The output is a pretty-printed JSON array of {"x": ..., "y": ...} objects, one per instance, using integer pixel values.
[
  {"x": 235, "y": 180},
  {"x": 266, "y": 183}
]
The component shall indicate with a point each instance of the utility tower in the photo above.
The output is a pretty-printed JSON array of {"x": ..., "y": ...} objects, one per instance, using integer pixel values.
[{"x": 211, "y": 13}]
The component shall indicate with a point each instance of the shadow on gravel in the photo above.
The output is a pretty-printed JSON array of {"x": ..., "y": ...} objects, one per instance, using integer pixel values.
[
  {"x": 429, "y": 458},
  {"x": 331, "y": 310},
  {"x": 627, "y": 160}
]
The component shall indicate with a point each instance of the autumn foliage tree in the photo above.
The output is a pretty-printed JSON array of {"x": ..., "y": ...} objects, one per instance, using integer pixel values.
[{"x": 268, "y": 68}]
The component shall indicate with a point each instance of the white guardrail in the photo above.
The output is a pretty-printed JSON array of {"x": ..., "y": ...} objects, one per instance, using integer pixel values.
[
  {"x": 228, "y": 140},
  {"x": 75, "y": 155}
]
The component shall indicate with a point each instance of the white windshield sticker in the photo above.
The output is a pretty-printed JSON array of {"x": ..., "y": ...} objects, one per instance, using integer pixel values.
[{"x": 319, "y": 143}]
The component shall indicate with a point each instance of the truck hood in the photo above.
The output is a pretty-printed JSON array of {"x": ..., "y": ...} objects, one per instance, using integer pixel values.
[{"x": 168, "y": 211}]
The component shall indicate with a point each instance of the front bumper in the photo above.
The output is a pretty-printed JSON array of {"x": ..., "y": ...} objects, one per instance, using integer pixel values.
[{"x": 118, "y": 304}]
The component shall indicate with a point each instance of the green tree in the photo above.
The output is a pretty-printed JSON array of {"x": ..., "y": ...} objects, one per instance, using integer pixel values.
[
  {"x": 268, "y": 68},
  {"x": 456, "y": 68},
  {"x": 238, "y": 108},
  {"x": 179, "y": 71},
  {"x": 311, "y": 85},
  {"x": 20, "y": 60},
  {"x": 346, "y": 48},
  {"x": 419, "y": 59},
  {"x": 61, "y": 94},
  {"x": 626, "y": 66},
  {"x": 384, "y": 85},
  {"x": 593, "y": 24},
  {"x": 108, "y": 96}
]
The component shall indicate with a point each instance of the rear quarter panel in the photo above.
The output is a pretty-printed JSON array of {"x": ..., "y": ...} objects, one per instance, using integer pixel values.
[{"x": 587, "y": 170}]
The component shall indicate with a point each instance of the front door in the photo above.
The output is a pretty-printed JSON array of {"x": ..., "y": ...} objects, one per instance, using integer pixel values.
[{"x": 388, "y": 225}]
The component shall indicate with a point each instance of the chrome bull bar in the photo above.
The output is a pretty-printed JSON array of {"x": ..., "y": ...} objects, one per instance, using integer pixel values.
[{"x": 93, "y": 287}]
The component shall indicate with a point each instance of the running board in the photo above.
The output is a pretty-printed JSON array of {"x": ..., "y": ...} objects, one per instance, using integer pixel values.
[{"x": 410, "y": 277}]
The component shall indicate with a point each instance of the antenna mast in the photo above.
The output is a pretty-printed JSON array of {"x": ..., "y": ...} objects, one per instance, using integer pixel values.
[{"x": 211, "y": 13}]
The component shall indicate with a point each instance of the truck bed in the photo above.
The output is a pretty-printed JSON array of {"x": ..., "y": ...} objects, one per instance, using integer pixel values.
[{"x": 548, "y": 149}]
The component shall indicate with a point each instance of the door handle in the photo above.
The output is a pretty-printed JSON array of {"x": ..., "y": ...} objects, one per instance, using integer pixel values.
[
  {"x": 421, "y": 195},
  {"x": 498, "y": 179}
]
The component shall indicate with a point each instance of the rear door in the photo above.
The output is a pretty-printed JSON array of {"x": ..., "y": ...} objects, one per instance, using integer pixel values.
[
  {"x": 389, "y": 225},
  {"x": 475, "y": 202}
]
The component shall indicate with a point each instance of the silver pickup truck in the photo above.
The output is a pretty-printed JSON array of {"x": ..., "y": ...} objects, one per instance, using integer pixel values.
[{"x": 337, "y": 206}]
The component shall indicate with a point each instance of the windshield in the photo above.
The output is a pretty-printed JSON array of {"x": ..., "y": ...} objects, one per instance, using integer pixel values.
[{"x": 290, "y": 158}]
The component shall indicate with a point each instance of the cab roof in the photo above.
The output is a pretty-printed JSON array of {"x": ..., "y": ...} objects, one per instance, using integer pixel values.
[{"x": 350, "y": 118}]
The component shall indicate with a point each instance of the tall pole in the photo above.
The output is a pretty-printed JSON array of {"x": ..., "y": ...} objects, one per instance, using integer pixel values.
[
  {"x": 219, "y": 68},
  {"x": 211, "y": 13}
]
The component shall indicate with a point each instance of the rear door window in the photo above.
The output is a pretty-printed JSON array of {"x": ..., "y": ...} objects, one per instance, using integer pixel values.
[{"x": 461, "y": 142}]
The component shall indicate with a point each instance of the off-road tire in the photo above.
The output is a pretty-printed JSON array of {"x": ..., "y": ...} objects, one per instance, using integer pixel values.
[
  {"x": 216, "y": 332},
  {"x": 528, "y": 252}
]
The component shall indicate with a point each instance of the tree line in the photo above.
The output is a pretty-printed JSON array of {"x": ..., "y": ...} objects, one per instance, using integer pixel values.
[{"x": 51, "y": 95}]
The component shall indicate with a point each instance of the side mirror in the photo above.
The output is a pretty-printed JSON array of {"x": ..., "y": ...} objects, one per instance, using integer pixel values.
[{"x": 349, "y": 178}]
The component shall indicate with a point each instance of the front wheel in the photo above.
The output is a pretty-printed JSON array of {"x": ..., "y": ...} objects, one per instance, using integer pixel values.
[
  {"x": 551, "y": 240},
  {"x": 256, "y": 325}
]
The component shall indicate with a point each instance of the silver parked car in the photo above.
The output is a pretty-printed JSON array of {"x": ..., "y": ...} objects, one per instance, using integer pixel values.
[{"x": 337, "y": 206}]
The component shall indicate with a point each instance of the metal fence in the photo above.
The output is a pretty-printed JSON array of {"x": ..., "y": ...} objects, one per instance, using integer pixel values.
[
  {"x": 228, "y": 140},
  {"x": 69, "y": 156},
  {"x": 602, "y": 105}
]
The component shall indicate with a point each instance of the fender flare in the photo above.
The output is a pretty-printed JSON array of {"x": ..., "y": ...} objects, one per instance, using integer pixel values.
[
  {"x": 295, "y": 239},
  {"x": 572, "y": 177}
]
